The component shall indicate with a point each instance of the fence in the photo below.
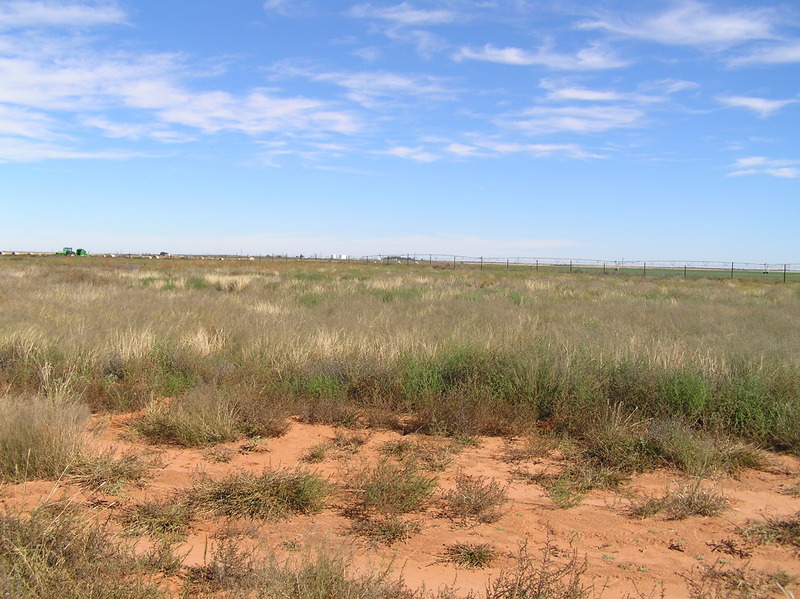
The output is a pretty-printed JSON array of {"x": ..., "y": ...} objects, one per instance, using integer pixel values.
[{"x": 684, "y": 268}]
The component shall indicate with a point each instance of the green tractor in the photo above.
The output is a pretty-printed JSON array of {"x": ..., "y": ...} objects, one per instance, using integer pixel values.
[{"x": 70, "y": 252}]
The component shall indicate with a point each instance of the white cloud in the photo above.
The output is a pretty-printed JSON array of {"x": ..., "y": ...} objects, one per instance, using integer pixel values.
[
  {"x": 289, "y": 8},
  {"x": 375, "y": 88},
  {"x": 25, "y": 123},
  {"x": 48, "y": 87},
  {"x": 784, "y": 53},
  {"x": 690, "y": 23},
  {"x": 762, "y": 106},
  {"x": 417, "y": 154},
  {"x": 404, "y": 14},
  {"x": 573, "y": 119},
  {"x": 24, "y": 15},
  {"x": 759, "y": 165},
  {"x": 538, "y": 150},
  {"x": 14, "y": 149},
  {"x": 594, "y": 57}
]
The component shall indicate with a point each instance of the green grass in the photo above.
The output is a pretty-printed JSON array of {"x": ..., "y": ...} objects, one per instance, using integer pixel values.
[
  {"x": 638, "y": 372},
  {"x": 270, "y": 495},
  {"x": 40, "y": 438},
  {"x": 157, "y": 519},
  {"x": 393, "y": 489},
  {"x": 470, "y": 555},
  {"x": 207, "y": 415},
  {"x": 681, "y": 503},
  {"x": 477, "y": 498},
  {"x": 109, "y": 473},
  {"x": 385, "y": 531},
  {"x": 777, "y": 530},
  {"x": 59, "y": 553}
]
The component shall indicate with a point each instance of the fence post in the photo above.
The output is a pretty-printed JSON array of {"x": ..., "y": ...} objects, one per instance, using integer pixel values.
[
  {"x": 537, "y": 264},
  {"x": 644, "y": 269},
  {"x": 481, "y": 262},
  {"x": 570, "y": 266},
  {"x": 506, "y": 263},
  {"x": 731, "y": 270},
  {"x": 604, "y": 268},
  {"x": 684, "y": 271},
  {"x": 784, "y": 273},
  {"x": 454, "y": 262}
]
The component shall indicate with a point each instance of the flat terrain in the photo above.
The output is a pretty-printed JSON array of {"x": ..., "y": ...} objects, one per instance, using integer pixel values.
[
  {"x": 461, "y": 431},
  {"x": 625, "y": 554}
]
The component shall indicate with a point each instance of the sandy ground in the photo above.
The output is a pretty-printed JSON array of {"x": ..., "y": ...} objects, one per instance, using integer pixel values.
[{"x": 625, "y": 555}]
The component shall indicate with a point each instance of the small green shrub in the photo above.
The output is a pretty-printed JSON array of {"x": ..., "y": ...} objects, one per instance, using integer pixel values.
[
  {"x": 108, "y": 473},
  {"x": 207, "y": 415},
  {"x": 157, "y": 519},
  {"x": 270, "y": 495},
  {"x": 547, "y": 576},
  {"x": 681, "y": 503},
  {"x": 470, "y": 555},
  {"x": 196, "y": 283},
  {"x": 783, "y": 531},
  {"x": 57, "y": 553},
  {"x": 386, "y": 531},
  {"x": 476, "y": 497},
  {"x": 322, "y": 574},
  {"x": 391, "y": 489},
  {"x": 40, "y": 438}
]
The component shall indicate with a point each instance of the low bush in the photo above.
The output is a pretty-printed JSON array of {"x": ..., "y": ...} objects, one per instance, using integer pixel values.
[
  {"x": 476, "y": 497},
  {"x": 681, "y": 503},
  {"x": 39, "y": 437},
  {"x": 470, "y": 555},
  {"x": 783, "y": 531},
  {"x": 391, "y": 489},
  {"x": 207, "y": 415},
  {"x": 56, "y": 553},
  {"x": 271, "y": 495},
  {"x": 108, "y": 473}
]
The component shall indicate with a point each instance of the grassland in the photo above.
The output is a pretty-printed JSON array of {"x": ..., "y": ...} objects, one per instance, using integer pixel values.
[{"x": 626, "y": 374}]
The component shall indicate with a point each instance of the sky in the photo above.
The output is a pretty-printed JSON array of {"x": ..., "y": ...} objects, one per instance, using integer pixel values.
[{"x": 607, "y": 130}]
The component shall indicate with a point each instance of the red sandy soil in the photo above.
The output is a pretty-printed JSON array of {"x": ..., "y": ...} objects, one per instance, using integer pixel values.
[{"x": 624, "y": 555}]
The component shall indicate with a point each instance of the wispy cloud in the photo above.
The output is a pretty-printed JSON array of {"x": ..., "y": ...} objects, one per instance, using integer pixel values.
[
  {"x": 54, "y": 85},
  {"x": 565, "y": 91},
  {"x": 591, "y": 58},
  {"x": 374, "y": 89},
  {"x": 404, "y": 14},
  {"x": 405, "y": 23},
  {"x": 782, "y": 53},
  {"x": 496, "y": 148},
  {"x": 762, "y": 106},
  {"x": 418, "y": 154},
  {"x": 690, "y": 23},
  {"x": 288, "y": 8},
  {"x": 759, "y": 165},
  {"x": 18, "y": 14},
  {"x": 573, "y": 119},
  {"x": 14, "y": 149}
]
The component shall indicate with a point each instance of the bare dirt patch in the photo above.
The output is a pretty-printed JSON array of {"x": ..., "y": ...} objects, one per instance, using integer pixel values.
[{"x": 624, "y": 555}]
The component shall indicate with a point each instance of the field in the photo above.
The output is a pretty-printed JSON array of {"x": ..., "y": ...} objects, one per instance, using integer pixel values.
[{"x": 280, "y": 428}]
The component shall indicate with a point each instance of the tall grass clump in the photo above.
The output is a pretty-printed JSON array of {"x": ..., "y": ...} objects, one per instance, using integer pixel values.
[
  {"x": 40, "y": 438},
  {"x": 326, "y": 573},
  {"x": 57, "y": 553},
  {"x": 207, "y": 415},
  {"x": 393, "y": 489},
  {"x": 270, "y": 495}
]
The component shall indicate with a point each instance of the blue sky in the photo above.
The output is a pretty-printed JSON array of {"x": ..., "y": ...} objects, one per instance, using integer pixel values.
[{"x": 606, "y": 130}]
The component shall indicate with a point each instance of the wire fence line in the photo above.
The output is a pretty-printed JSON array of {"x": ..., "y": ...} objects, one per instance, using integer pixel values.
[{"x": 687, "y": 268}]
